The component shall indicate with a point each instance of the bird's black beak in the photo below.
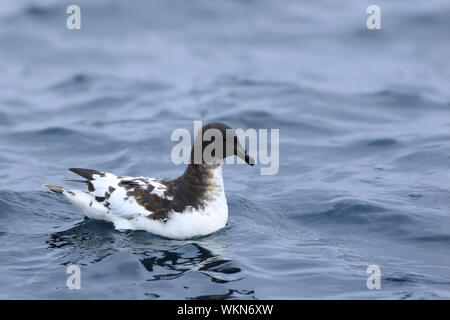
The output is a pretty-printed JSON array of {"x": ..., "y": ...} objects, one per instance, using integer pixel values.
[
  {"x": 243, "y": 154},
  {"x": 249, "y": 160}
]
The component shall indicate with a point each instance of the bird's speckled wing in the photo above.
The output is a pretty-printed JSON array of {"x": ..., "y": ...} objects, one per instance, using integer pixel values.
[{"x": 127, "y": 197}]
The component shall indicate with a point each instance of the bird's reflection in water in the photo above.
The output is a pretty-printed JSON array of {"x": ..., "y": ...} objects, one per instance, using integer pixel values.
[
  {"x": 91, "y": 241},
  {"x": 191, "y": 257}
]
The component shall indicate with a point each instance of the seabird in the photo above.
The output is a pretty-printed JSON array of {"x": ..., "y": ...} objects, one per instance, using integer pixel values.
[{"x": 191, "y": 205}]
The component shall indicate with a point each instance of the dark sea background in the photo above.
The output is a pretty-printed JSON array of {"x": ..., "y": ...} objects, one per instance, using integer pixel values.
[{"x": 364, "y": 120}]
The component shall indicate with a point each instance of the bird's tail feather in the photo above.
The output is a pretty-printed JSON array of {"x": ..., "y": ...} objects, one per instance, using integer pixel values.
[{"x": 54, "y": 188}]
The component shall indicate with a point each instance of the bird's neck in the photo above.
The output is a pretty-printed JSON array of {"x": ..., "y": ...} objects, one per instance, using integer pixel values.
[
  {"x": 198, "y": 185},
  {"x": 207, "y": 176}
]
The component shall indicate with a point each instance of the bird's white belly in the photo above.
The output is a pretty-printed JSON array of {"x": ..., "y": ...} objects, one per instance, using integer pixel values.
[{"x": 189, "y": 224}]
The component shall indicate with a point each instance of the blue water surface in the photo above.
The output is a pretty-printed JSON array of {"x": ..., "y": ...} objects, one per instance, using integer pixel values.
[{"x": 364, "y": 120}]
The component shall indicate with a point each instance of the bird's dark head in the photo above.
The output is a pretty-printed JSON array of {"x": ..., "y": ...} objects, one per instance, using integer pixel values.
[{"x": 217, "y": 142}]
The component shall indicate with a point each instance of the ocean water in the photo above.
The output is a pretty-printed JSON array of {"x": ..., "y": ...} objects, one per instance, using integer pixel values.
[{"x": 364, "y": 120}]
